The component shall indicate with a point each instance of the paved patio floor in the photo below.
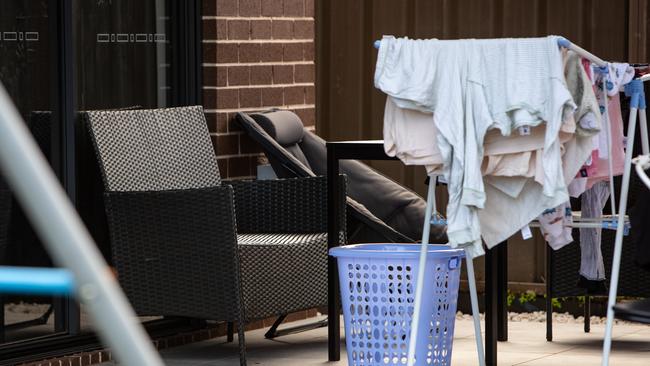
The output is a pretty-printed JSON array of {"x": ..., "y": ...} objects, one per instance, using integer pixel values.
[{"x": 526, "y": 346}]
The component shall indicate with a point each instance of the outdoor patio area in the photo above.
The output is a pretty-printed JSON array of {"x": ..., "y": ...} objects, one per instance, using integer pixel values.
[{"x": 526, "y": 346}]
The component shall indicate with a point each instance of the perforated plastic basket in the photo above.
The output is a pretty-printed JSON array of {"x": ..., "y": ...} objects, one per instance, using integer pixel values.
[{"x": 377, "y": 294}]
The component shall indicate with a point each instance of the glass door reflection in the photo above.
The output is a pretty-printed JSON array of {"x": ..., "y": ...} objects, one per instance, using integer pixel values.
[{"x": 28, "y": 72}]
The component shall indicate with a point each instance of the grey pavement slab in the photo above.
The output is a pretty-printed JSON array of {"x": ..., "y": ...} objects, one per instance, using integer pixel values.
[{"x": 527, "y": 345}]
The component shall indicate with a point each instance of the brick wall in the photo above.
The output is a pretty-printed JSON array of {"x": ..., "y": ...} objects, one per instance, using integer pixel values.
[{"x": 257, "y": 54}]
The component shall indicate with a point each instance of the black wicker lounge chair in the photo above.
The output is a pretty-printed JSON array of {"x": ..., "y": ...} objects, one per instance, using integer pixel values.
[
  {"x": 380, "y": 210},
  {"x": 178, "y": 247}
]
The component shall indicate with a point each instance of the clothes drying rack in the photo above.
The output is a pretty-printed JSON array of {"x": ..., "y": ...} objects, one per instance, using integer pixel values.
[
  {"x": 69, "y": 243},
  {"x": 619, "y": 222}
]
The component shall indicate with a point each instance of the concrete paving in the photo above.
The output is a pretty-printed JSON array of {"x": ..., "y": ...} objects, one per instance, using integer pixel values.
[{"x": 526, "y": 346}]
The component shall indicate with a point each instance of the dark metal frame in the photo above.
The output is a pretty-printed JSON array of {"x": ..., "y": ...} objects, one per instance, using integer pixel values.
[
  {"x": 496, "y": 259},
  {"x": 187, "y": 76}
]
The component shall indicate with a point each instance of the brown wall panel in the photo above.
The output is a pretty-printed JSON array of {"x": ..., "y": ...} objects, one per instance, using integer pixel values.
[{"x": 349, "y": 107}]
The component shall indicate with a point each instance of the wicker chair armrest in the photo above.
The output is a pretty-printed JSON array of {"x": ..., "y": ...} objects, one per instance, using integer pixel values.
[
  {"x": 176, "y": 251},
  {"x": 295, "y": 205}
]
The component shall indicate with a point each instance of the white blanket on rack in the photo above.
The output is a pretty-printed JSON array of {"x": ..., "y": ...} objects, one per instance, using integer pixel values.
[{"x": 471, "y": 86}]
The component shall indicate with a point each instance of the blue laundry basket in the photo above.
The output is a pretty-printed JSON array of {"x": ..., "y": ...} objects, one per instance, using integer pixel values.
[{"x": 377, "y": 294}]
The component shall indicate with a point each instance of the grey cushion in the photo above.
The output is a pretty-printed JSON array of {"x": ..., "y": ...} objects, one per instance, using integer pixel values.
[
  {"x": 399, "y": 207},
  {"x": 283, "y": 126}
]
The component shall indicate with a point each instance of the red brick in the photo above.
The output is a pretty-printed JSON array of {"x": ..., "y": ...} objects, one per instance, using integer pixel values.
[
  {"x": 222, "y": 29},
  {"x": 271, "y": 52},
  {"x": 282, "y": 74},
  {"x": 250, "y": 97},
  {"x": 233, "y": 125},
  {"x": 226, "y": 52},
  {"x": 298, "y": 315},
  {"x": 223, "y": 167},
  {"x": 227, "y": 144},
  {"x": 240, "y": 167},
  {"x": 307, "y": 116},
  {"x": 283, "y": 29},
  {"x": 272, "y": 8},
  {"x": 292, "y": 52},
  {"x": 209, "y": 7},
  {"x": 261, "y": 29},
  {"x": 105, "y": 355},
  {"x": 294, "y": 8},
  {"x": 209, "y": 98},
  {"x": 209, "y": 52},
  {"x": 250, "y": 8},
  {"x": 249, "y": 52},
  {"x": 222, "y": 76},
  {"x": 214, "y": 76},
  {"x": 239, "y": 75},
  {"x": 226, "y": 7},
  {"x": 309, "y": 51},
  {"x": 272, "y": 97},
  {"x": 261, "y": 75},
  {"x": 294, "y": 95},
  {"x": 211, "y": 121},
  {"x": 227, "y": 98},
  {"x": 94, "y": 357},
  {"x": 303, "y": 29},
  {"x": 221, "y": 122},
  {"x": 304, "y": 73},
  {"x": 310, "y": 94},
  {"x": 209, "y": 29},
  {"x": 248, "y": 146},
  {"x": 309, "y": 8},
  {"x": 239, "y": 29}
]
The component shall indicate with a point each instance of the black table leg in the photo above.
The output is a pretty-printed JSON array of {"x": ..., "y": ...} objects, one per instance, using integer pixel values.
[
  {"x": 491, "y": 285},
  {"x": 333, "y": 209},
  {"x": 549, "y": 294},
  {"x": 502, "y": 292}
]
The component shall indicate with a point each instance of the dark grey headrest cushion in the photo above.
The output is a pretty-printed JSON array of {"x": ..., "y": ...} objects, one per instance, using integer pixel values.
[{"x": 285, "y": 127}]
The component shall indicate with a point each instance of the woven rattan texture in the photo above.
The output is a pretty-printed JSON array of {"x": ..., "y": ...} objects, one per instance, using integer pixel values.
[
  {"x": 633, "y": 281},
  {"x": 296, "y": 205},
  {"x": 286, "y": 276},
  {"x": 283, "y": 272},
  {"x": 154, "y": 149},
  {"x": 175, "y": 251}
]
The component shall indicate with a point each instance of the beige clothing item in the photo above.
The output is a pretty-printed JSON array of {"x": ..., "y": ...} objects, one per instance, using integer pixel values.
[{"x": 411, "y": 136}]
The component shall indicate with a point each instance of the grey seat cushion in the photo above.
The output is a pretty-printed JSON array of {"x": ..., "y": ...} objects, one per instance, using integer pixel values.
[{"x": 399, "y": 207}]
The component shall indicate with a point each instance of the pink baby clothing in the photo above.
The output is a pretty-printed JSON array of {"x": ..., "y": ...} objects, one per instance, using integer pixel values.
[{"x": 615, "y": 123}]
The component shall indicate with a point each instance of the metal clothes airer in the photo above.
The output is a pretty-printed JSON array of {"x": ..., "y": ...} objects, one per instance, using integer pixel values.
[
  {"x": 635, "y": 91},
  {"x": 429, "y": 220},
  {"x": 69, "y": 243}
]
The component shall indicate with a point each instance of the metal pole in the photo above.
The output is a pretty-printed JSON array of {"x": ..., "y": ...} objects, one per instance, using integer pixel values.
[
  {"x": 431, "y": 198},
  {"x": 473, "y": 295},
  {"x": 618, "y": 243},
  {"x": 608, "y": 132},
  {"x": 67, "y": 240},
  {"x": 645, "y": 146}
]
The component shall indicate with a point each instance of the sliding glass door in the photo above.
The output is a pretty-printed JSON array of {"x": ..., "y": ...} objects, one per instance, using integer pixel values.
[{"x": 59, "y": 58}]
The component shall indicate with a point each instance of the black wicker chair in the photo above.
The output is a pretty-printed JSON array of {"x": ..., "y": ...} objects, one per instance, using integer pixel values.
[
  {"x": 380, "y": 209},
  {"x": 563, "y": 265},
  {"x": 176, "y": 245}
]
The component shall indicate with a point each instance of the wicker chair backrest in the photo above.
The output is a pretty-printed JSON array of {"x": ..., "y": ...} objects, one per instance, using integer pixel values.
[{"x": 154, "y": 149}]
